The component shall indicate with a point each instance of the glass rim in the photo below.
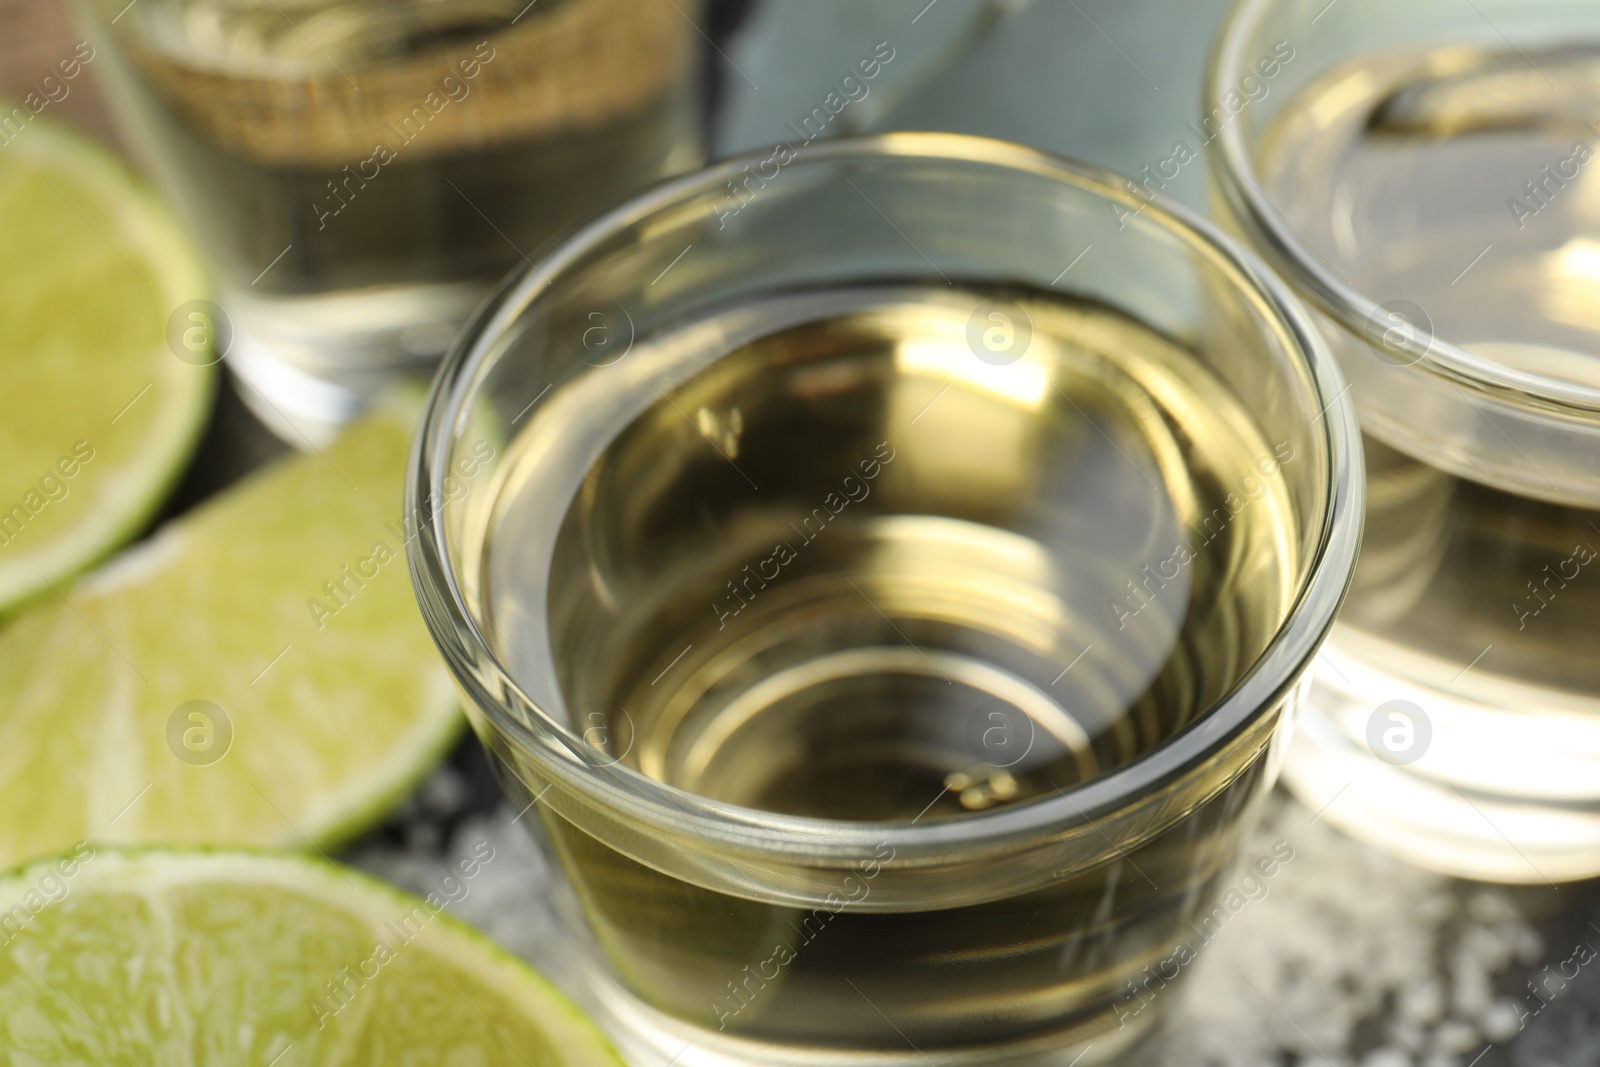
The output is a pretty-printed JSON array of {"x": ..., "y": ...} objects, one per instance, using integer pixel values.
[
  {"x": 559, "y": 753},
  {"x": 1311, "y": 276}
]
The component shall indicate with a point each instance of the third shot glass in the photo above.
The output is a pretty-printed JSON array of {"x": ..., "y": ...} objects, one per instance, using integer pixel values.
[{"x": 1423, "y": 173}]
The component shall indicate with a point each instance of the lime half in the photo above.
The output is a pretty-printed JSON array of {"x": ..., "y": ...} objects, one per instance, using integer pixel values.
[
  {"x": 97, "y": 413},
  {"x": 257, "y": 672},
  {"x": 153, "y": 957}
]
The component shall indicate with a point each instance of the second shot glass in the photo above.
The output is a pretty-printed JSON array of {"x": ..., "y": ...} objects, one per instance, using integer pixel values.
[{"x": 360, "y": 173}]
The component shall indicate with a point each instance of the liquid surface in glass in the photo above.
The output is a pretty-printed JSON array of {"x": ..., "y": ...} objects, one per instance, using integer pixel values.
[{"x": 864, "y": 567}]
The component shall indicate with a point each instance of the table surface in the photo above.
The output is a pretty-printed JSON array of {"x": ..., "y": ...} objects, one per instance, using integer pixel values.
[{"x": 1346, "y": 956}]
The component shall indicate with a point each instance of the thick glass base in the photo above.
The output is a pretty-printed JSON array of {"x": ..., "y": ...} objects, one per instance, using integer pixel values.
[
  {"x": 1496, "y": 788},
  {"x": 307, "y": 365},
  {"x": 1132, "y": 1031},
  {"x": 649, "y": 1038}
]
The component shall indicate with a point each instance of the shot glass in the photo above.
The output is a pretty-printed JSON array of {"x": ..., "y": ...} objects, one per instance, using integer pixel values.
[
  {"x": 361, "y": 173},
  {"x": 889, "y": 570},
  {"x": 1421, "y": 173}
]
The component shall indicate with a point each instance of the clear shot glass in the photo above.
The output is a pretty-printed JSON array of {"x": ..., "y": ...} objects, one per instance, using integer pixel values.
[
  {"x": 360, "y": 173},
  {"x": 888, "y": 568},
  {"x": 1422, "y": 174}
]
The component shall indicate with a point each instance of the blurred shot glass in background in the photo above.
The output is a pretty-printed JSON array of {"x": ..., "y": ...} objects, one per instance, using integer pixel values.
[
  {"x": 360, "y": 172},
  {"x": 893, "y": 626},
  {"x": 1424, "y": 174}
]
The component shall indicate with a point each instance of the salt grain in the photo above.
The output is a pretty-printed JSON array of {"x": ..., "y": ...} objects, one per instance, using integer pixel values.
[{"x": 1358, "y": 958}]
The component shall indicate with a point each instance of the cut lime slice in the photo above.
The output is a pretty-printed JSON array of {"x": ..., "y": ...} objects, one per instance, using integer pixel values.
[
  {"x": 97, "y": 414},
  {"x": 256, "y": 673},
  {"x": 153, "y": 957}
]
